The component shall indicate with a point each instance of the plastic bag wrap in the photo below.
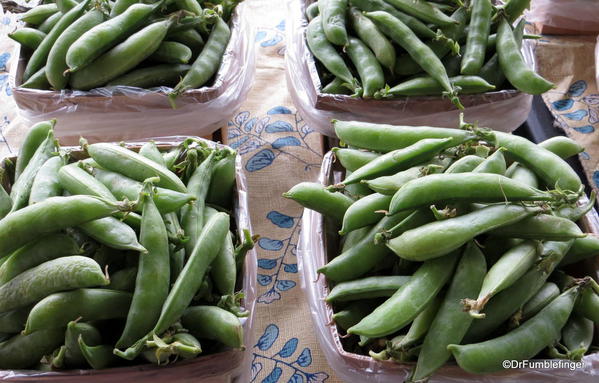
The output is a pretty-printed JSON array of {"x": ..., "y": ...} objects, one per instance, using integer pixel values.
[
  {"x": 221, "y": 367},
  {"x": 597, "y": 62},
  {"x": 565, "y": 17},
  {"x": 502, "y": 110},
  {"x": 129, "y": 113},
  {"x": 313, "y": 247}
]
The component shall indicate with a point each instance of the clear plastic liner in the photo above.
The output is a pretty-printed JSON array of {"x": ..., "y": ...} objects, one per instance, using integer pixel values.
[
  {"x": 502, "y": 110},
  {"x": 128, "y": 113},
  {"x": 313, "y": 247},
  {"x": 565, "y": 17},
  {"x": 223, "y": 367},
  {"x": 597, "y": 62}
]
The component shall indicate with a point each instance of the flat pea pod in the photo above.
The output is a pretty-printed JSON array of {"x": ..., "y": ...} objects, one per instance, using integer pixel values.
[
  {"x": 409, "y": 301},
  {"x": 66, "y": 5},
  {"x": 207, "y": 62},
  {"x": 478, "y": 34},
  {"x": 515, "y": 8},
  {"x": 465, "y": 164},
  {"x": 23, "y": 351},
  {"x": 153, "y": 76},
  {"x": 419, "y": 327},
  {"x": 73, "y": 356},
  {"x": 211, "y": 322},
  {"x": 423, "y": 10},
  {"x": 39, "y": 13},
  {"x": 353, "y": 313},
  {"x": 441, "y": 237},
  {"x": 494, "y": 164},
  {"x": 123, "y": 279},
  {"x": 151, "y": 152},
  {"x": 353, "y": 237},
  {"x": 224, "y": 271},
  {"x": 513, "y": 66},
  {"x": 102, "y": 37},
  {"x": 369, "y": 69},
  {"x": 400, "y": 159},
  {"x": 507, "y": 269},
  {"x": 553, "y": 170},
  {"x": 364, "y": 212},
  {"x": 562, "y": 146},
  {"x": 222, "y": 183},
  {"x": 374, "y": 39},
  {"x": 353, "y": 159},
  {"x": 367, "y": 288},
  {"x": 56, "y": 65},
  {"x": 312, "y": 11},
  {"x": 171, "y": 52},
  {"x": 76, "y": 181},
  {"x": 113, "y": 233},
  {"x": 21, "y": 189},
  {"x": 37, "y": 252},
  {"x": 385, "y": 138},
  {"x": 389, "y": 185},
  {"x": 588, "y": 305},
  {"x": 122, "y": 58},
  {"x": 37, "y": 81},
  {"x": 121, "y": 160},
  {"x": 325, "y": 52},
  {"x": 451, "y": 322},
  {"x": 59, "y": 274},
  {"x": 5, "y": 203},
  {"x": 491, "y": 71},
  {"x": 46, "y": 184},
  {"x": 420, "y": 52},
  {"x": 40, "y": 55},
  {"x": 582, "y": 248},
  {"x": 50, "y": 216},
  {"x": 332, "y": 14},
  {"x": 428, "y": 86},
  {"x": 192, "y": 6},
  {"x": 190, "y": 37},
  {"x": 522, "y": 343},
  {"x": 121, "y": 6},
  {"x": 523, "y": 175},
  {"x": 315, "y": 196},
  {"x": 337, "y": 86},
  {"x": 546, "y": 294},
  {"x": 152, "y": 283},
  {"x": 98, "y": 357},
  {"x": 577, "y": 336},
  {"x": 540, "y": 226},
  {"x": 470, "y": 187},
  {"x": 28, "y": 37},
  {"x": 58, "y": 309}
]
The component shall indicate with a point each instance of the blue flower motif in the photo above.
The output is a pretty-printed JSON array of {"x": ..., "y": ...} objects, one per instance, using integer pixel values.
[
  {"x": 562, "y": 105},
  {"x": 4, "y": 57}
]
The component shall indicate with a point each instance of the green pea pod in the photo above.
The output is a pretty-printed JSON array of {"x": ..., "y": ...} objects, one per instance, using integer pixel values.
[
  {"x": 441, "y": 237},
  {"x": 386, "y": 138},
  {"x": 423, "y": 10},
  {"x": 494, "y": 164},
  {"x": 419, "y": 327},
  {"x": 66, "y": 5},
  {"x": 541, "y": 226},
  {"x": 353, "y": 313},
  {"x": 337, "y": 86},
  {"x": 150, "y": 77},
  {"x": 57, "y": 310},
  {"x": 562, "y": 146},
  {"x": 325, "y": 52},
  {"x": 428, "y": 86},
  {"x": 46, "y": 184},
  {"x": 13, "y": 321},
  {"x": 312, "y": 11},
  {"x": 222, "y": 183},
  {"x": 451, "y": 322},
  {"x": 5, "y": 202},
  {"x": 73, "y": 356},
  {"x": 211, "y": 322},
  {"x": 314, "y": 196},
  {"x": 98, "y": 357},
  {"x": 34, "y": 138},
  {"x": 364, "y": 212},
  {"x": 478, "y": 34},
  {"x": 465, "y": 164},
  {"x": 151, "y": 152},
  {"x": 121, "y": 6},
  {"x": 410, "y": 300},
  {"x": 113, "y": 233},
  {"x": 546, "y": 294},
  {"x": 582, "y": 248},
  {"x": 37, "y": 81},
  {"x": 577, "y": 336},
  {"x": 491, "y": 71},
  {"x": 523, "y": 175},
  {"x": 522, "y": 343},
  {"x": 28, "y": 37},
  {"x": 152, "y": 283},
  {"x": 77, "y": 181},
  {"x": 374, "y": 39},
  {"x": 171, "y": 52},
  {"x": 513, "y": 66},
  {"x": 59, "y": 274},
  {"x": 24, "y": 351},
  {"x": 333, "y": 18},
  {"x": 50, "y": 22},
  {"x": 353, "y": 159},
  {"x": 40, "y": 55},
  {"x": 37, "y": 252},
  {"x": 400, "y": 159},
  {"x": 39, "y": 13},
  {"x": 190, "y": 37},
  {"x": 121, "y": 160},
  {"x": 515, "y": 8},
  {"x": 123, "y": 280},
  {"x": 588, "y": 305},
  {"x": 389, "y": 185},
  {"x": 192, "y": 6},
  {"x": 224, "y": 271},
  {"x": 367, "y": 288},
  {"x": 369, "y": 69}
]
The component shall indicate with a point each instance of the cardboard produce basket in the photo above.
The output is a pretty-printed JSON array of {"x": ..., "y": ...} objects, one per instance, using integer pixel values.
[
  {"x": 228, "y": 365},
  {"x": 318, "y": 244},
  {"x": 124, "y": 113},
  {"x": 565, "y": 17},
  {"x": 503, "y": 110}
]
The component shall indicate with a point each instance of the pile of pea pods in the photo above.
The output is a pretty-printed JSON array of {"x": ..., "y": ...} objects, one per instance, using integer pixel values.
[
  {"x": 94, "y": 43},
  {"x": 457, "y": 244},
  {"x": 392, "y": 48},
  {"x": 119, "y": 258}
]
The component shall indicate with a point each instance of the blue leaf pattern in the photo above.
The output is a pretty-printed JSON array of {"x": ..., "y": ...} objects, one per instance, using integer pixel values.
[
  {"x": 596, "y": 178},
  {"x": 290, "y": 268},
  {"x": 267, "y": 264},
  {"x": 260, "y": 160},
  {"x": 289, "y": 348},
  {"x": 284, "y": 285},
  {"x": 305, "y": 358},
  {"x": 279, "y": 126},
  {"x": 562, "y": 105},
  {"x": 281, "y": 220},
  {"x": 271, "y": 333},
  {"x": 270, "y": 244},
  {"x": 592, "y": 99},
  {"x": 296, "y": 378},
  {"x": 576, "y": 116},
  {"x": 264, "y": 280},
  {"x": 260, "y": 36},
  {"x": 274, "y": 376},
  {"x": 4, "y": 57},
  {"x": 286, "y": 141},
  {"x": 577, "y": 88},
  {"x": 279, "y": 110},
  {"x": 281, "y": 26},
  {"x": 585, "y": 129}
]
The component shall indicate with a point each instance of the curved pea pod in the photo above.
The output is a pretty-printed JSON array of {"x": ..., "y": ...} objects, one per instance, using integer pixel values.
[
  {"x": 222, "y": 182},
  {"x": 367, "y": 288},
  {"x": 154, "y": 76},
  {"x": 73, "y": 356},
  {"x": 400, "y": 159},
  {"x": 325, "y": 52},
  {"x": 369, "y": 69},
  {"x": 38, "y": 80},
  {"x": 588, "y": 305},
  {"x": 523, "y": 175},
  {"x": 13, "y": 321},
  {"x": 337, "y": 86},
  {"x": 374, "y": 39},
  {"x": 522, "y": 343},
  {"x": 451, "y": 322},
  {"x": 37, "y": 252},
  {"x": 428, "y": 86},
  {"x": 211, "y": 322},
  {"x": 5, "y": 202},
  {"x": 441, "y": 237},
  {"x": 77, "y": 181},
  {"x": 494, "y": 164},
  {"x": 546, "y": 294},
  {"x": 353, "y": 313},
  {"x": 46, "y": 184},
  {"x": 465, "y": 164},
  {"x": 333, "y": 18},
  {"x": 386, "y": 138},
  {"x": 121, "y": 160},
  {"x": 504, "y": 273},
  {"x": 540, "y": 226},
  {"x": 364, "y": 212},
  {"x": 353, "y": 159},
  {"x": 28, "y": 37},
  {"x": 39, "y": 13},
  {"x": 113, "y": 233},
  {"x": 65, "y": 5},
  {"x": 171, "y": 52},
  {"x": 121, "y": 6},
  {"x": 98, "y": 357},
  {"x": 407, "y": 302},
  {"x": 57, "y": 310},
  {"x": 389, "y": 185},
  {"x": 418, "y": 328},
  {"x": 223, "y": 269},
  {"x": 470, "y": 187},
  {"x": 314, "y": 196},
  {"x": 577, "y": 336},
  {"x": 562, "y": 146},
  {"x": 582, "y": 248},
  {"x": 190, "y": 37},
  {"x": 514, "y": 9},
  {"x": 65, "y": 273},
  {"x": 423, "y": 10},
  {"x": 23, "y": 351},
  {"x": 480, "y": 25},
  {"x": 358, "y": 190},
  {"x": 123, "y": 280}
]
